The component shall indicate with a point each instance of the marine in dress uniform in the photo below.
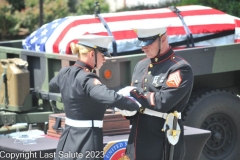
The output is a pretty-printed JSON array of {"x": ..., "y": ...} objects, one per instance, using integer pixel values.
[
  {"x": 85, "y": 100},
  {"x": 163, "y": 85}
]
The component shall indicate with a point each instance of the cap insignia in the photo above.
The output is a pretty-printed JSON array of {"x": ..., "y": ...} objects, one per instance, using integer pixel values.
[{"x": 135, "y": 30}]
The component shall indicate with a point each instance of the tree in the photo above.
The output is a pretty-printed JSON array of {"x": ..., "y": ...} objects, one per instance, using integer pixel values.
[
  {"x": 16, "y": 5},
  {"x": 7, "y": 25},
  {"x": 72, "y": 5},
  {"x": 21, "y": 17}
]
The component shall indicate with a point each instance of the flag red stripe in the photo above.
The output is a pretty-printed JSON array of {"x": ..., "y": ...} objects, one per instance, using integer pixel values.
[
  {"x": 197, "y": 29},
  {"x": 237, "y": 22},
  {"x": 68, "y": 49},
  {"x": 131, "y": 17}
]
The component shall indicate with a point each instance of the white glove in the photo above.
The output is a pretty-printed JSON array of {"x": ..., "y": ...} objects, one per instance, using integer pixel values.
[
  {"x": 126, "y": 91},
  {"x": 126, "y": 112},
  {"x": 135, "y": 101}
]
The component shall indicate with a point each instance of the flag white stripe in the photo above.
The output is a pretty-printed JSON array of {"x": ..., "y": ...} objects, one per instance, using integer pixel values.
[{"x": 162, "y": 10}]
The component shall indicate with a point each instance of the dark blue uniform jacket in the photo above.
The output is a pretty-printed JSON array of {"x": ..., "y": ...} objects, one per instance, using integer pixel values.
[
  {"x": 84, "y": 98},
  {"x": 164, "y": 84}
]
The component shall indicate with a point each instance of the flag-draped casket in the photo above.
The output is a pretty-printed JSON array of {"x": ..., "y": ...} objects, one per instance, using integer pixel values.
[{"x": 207, "y": 26}]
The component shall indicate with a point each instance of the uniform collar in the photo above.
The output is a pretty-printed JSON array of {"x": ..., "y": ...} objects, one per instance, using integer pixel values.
[
  {"x": 161, "y": 57},
  {"x": 84, "y": 65}
]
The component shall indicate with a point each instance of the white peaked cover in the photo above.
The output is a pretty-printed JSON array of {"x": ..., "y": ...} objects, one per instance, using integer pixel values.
[{"x": 56, "y": 36}]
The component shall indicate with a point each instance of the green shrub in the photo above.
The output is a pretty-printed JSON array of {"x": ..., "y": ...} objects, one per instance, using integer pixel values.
[
  {"x": 8, "y": 22},
  {"x": 23, "y": 22},
  {"x": 88, "y": 6},
  {"x": 54, "y": 9}
]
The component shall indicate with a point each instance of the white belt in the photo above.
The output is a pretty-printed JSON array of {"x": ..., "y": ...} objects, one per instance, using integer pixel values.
[
  {"x": 158, "y": 114},
  {"x": 83, "y": 123}
]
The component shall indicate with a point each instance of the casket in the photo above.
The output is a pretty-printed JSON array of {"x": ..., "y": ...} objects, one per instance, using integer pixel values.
[
  {"x": 206, "y": 25},
  {"x": 113, "y": 124}
]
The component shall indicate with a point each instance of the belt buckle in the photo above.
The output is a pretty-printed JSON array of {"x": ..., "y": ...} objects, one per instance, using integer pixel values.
[{"x": 141, "y": 110}]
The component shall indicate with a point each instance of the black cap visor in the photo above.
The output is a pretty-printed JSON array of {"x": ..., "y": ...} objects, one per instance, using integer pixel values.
[
  {"x": 141, "y": 42},
  {"x": 104, "y": 51}
]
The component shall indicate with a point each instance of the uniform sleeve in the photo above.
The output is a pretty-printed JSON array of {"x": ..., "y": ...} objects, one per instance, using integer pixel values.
[
  {"x": 54, "y": 82},
  {"x": 53, "y": 85},
  {"x": 99, "y": 92},
  {"x": 174, "y": 91}
]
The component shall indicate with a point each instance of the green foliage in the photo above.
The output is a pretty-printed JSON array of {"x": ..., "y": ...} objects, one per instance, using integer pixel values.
[
  {"x": 16, "y": 5},
  {"x": 7, "y": 25},
  {"x": 31, "y": 3},
  {"x": 54, "y": 9},
  {"x": 28, "y": 19},
  {"x": 87, "y": 7},
  {"x": 21, "y": 17},
  {"x": 72, "y": 6}
]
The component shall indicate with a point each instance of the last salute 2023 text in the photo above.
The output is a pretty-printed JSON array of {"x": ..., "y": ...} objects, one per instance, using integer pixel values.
[{"x": 61, "y": 154}]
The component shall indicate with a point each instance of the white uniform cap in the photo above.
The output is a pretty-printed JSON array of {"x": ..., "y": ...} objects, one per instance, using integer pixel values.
[
  {"x": 148, "y": 34},
  {"x": 95, "y": 41}
]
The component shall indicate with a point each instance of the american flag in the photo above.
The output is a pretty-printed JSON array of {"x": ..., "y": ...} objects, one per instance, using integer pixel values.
[
  {"x": 56, "y": 36},
  {"x": 38, "y": 39}
]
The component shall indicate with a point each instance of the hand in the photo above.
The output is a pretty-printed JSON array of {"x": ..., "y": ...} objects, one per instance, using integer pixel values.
[
  {"x": 135, "y": 101},
  {"x": 138, "y": 94},
  {"x": 125, "y": 112},
  {"x": 126, "y": 91},
  {"x": 127, "y": 103}
]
